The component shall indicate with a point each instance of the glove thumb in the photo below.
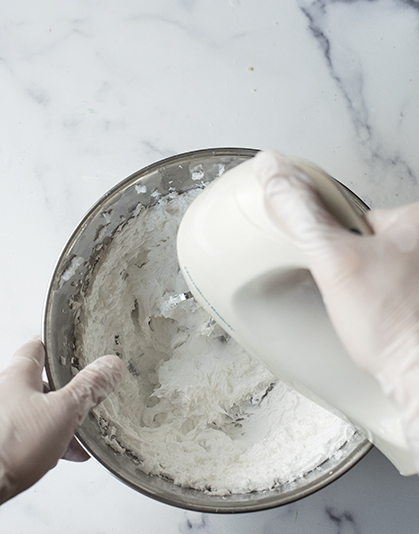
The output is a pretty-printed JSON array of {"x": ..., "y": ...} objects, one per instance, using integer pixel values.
[
  {"x": 86, "y": 390},
  {"x": 292, "y": 201}
]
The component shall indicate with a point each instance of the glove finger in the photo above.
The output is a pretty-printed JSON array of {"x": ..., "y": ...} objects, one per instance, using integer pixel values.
[
  {"x": 86, "y": 390},
  {"x": 399, "y": 225},
  {"x": 27, "y": 363},
  {"x": 292, "y": 201},
  {"x": 75, "y": 452}
]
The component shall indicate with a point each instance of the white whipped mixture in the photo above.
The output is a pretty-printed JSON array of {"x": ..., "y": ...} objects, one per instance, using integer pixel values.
[{"x": 192, "y": 405}]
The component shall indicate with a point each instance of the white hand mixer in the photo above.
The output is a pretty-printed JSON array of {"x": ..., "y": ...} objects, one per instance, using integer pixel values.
[{"x": 256, "y": 284}]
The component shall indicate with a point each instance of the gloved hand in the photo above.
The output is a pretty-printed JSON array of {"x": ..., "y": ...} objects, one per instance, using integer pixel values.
[
  {"x": 36, "y": 428},
  {"x": 370, "y": 284}
]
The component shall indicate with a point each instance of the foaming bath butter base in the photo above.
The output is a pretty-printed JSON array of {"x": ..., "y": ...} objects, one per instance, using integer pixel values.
[{"x": 192, "y": 406}]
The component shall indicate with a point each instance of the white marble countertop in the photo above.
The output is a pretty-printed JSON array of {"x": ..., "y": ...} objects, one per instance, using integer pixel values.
[{"x": 93, "y": 91}]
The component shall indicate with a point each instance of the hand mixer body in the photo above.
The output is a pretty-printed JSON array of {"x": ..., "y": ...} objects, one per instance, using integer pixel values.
[{"x": 255, "y": 283}]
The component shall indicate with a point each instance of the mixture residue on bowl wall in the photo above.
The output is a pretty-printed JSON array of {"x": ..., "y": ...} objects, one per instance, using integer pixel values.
[{"x": 192, "y": 405}]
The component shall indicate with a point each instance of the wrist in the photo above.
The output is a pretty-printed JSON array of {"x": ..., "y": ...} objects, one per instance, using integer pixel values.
[{"x": 399, "y": 380}]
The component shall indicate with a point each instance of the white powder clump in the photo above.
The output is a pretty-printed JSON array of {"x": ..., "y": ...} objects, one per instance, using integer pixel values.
[
  {"x": 71, "y": 270},
  {"x": 141, "y": 189},
  {"x": 192, "y": 405}
]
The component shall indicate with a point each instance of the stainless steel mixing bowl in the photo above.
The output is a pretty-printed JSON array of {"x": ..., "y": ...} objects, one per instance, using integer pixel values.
[{"x": 71, "y": 276}]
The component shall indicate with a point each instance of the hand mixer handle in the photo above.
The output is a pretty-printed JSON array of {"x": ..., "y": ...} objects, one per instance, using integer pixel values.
[
  {"x": 255, "y": 283},
  {"x": 227, "y": 239}
]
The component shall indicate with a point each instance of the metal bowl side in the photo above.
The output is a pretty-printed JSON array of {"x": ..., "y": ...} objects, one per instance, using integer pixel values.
[{"x": 71, "y": 278}]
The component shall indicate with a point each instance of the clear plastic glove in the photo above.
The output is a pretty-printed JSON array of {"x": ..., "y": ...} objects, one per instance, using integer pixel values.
[
  {"x": 37, "y": 428},
  {"x": 370, "y": 284}
]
